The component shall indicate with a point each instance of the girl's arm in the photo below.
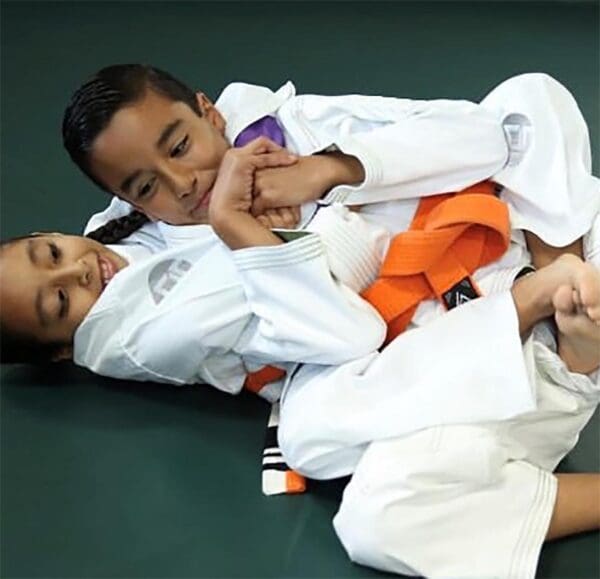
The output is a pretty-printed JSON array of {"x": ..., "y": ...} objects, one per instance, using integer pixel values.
[
  {"x": 543, "y": 254},
  {"x": 231, "y": 200}
]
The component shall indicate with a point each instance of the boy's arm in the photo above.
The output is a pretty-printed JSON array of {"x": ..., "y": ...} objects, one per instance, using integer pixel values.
[
  {"x": 404, "y": 149},
  {"x": 308, "y": 180}
]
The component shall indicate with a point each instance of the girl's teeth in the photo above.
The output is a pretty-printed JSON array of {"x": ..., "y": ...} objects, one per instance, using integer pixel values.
[{"x": 105, "y": 272}]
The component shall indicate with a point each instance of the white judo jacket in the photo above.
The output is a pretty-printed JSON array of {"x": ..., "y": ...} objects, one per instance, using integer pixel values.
[
  {"x": 280, "y": 304},
  {"x": 199, "y": 312},
  {"x": 527, "y": 135}
]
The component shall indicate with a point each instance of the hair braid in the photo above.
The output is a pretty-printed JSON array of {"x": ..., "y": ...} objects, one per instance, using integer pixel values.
[{"x": 117, "y": 229}]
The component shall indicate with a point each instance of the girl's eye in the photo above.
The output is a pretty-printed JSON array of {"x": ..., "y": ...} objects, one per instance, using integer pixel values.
[
  {"x": 146, "y": 189},
  {"x": 180, "y": 148},
  {"x": 63, "y": 303},
  {"x": 54, "y": 252}
]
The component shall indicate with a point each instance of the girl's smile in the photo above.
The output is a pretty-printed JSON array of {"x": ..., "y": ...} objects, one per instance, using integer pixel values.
[{"x": 54, "y": 282}]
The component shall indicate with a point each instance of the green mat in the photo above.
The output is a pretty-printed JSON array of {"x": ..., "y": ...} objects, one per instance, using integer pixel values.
[{"x": 107, "y": 479}]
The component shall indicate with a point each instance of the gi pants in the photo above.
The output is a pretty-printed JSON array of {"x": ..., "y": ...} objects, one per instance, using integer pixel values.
[
  {"x": 447, "y": 500},
  {"x": 468, "y": 500}
]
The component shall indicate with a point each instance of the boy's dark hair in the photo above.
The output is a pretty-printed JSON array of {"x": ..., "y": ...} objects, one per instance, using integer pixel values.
[
  {"x": 92, "y": 107},
  {"x": 97, "y": 100}
]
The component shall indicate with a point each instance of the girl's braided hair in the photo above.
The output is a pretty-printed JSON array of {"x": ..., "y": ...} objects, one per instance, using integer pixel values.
[
  {"x": 19, "y": 348},
  {"x": 120, "y": 228},
  {"x": 89, "y": 112}
]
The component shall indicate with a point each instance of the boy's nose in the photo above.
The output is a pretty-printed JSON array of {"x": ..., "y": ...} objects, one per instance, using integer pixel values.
[{"x": 182, "y": 183}]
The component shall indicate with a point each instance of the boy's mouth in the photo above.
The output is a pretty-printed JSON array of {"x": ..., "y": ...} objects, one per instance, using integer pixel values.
[
  {"x": 107, "y": 271},
  {"x": 202, "y": 204}
]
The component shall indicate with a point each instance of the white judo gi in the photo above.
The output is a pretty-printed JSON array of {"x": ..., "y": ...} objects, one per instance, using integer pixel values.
[
  {"x": 527, "y": 135},
  {"x": 201, "y": 313},
  {"x": 410, "y": 149},
  {"x": 469, "y": 501}
]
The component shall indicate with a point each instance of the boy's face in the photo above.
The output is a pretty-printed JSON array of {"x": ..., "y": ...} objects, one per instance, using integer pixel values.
[
  {"x": 162, "y": 157},
  {"x": 50, "y": 282}
]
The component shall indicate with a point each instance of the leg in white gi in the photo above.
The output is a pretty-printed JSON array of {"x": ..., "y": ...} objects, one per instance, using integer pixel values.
[
  {"x": 468, "y": 501},
  {"x": 439, "y": 374},
  {"x": 473, "y": 501},
  {"x": 453, "y": 370}
]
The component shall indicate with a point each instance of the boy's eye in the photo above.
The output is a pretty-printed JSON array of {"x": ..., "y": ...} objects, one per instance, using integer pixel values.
[
  {"x": 55, "y": 253},
  {"x": 180, "y": 148},
  {"x": 146, "y": 189},
  {"x": 63, "y": 303}
]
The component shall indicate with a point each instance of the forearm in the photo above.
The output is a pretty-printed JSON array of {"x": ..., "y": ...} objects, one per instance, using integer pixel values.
[
  {"x": 328, "y": 170},
  {"x": 239, "y": 230},
  {"x": 543, "y": 254},
  {"x": 577, "y": 507},
  {"x": 342, "y": 169},
  {"x": 436, "y": 147}
]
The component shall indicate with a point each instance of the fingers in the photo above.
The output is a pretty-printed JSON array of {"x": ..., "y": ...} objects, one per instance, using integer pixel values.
[
  {"x": 280, "y": 218},
  {"x": 264, "y": 221},
  {"x": 263, "y": 206},
  {"x": 268, "y": 154},
  {"x": 261, "y": 153},
  {"x": 295, "y": 214},
  {"x": 288, "y": 217},
  {"x": 261, "y": 145},
  {"x": 258, "y": 206},
  {"x": 277, "y": 159}
]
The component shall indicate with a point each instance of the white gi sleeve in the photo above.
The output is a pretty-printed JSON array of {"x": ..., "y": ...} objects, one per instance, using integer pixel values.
[
  {"x": 355, "y": 247},
  {"x": 192, "y": 342},
  {"x": 408, "y": 148},
  {"x": 301, "y": 313},
  {"x": 179, "y": 346}
]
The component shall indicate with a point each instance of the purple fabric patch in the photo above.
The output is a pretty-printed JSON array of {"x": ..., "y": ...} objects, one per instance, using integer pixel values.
[{"x": 265, "y": 127}]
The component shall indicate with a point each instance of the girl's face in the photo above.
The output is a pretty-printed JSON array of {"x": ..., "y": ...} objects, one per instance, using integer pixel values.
[{"x": 49, "y": 284}]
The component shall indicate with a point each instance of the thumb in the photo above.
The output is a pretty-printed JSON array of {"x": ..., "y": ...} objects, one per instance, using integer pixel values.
[
  {"x": 258, "y": 207},
  {"x": 261, "y": 145}
]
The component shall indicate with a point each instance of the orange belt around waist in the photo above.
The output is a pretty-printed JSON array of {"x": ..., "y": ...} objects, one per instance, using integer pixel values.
[{"x": 450, "y": 237}]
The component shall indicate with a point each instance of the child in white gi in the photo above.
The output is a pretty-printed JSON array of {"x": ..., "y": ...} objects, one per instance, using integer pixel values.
[
  {"x": 527, "y": 135},
  {"x": 377, "y": 175},
  {"x": 137, "y": 131},
  {"x": 50, "y": 281}
]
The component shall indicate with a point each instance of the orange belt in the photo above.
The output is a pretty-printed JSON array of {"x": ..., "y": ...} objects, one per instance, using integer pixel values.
[
  {"x": 255, "y": 381},
  {"x": 450, "y": 237}
]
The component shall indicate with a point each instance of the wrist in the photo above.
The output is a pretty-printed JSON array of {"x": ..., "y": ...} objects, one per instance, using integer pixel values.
[
  {"x": 342, "y": 169},
  {"x": 238, "y": 229}
]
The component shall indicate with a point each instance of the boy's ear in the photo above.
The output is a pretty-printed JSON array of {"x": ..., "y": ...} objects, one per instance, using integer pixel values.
[
  {"x": 210, "y": 112},
  {"x": 63, "y": 353}
]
